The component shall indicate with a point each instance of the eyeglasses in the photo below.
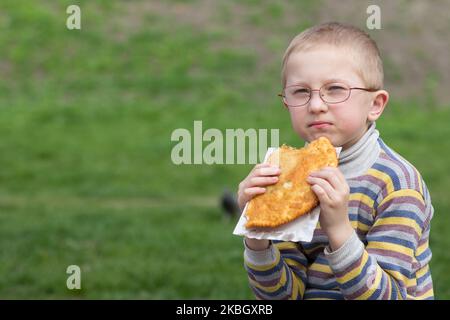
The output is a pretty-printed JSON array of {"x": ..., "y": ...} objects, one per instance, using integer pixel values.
[{"x": 299, "y": 95}]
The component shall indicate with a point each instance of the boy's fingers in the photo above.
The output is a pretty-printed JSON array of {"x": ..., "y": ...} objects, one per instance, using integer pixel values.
[
  {"x": 260, "y": 165},
  {"x": 263, "y": 181},
  {"x": 321, "y": 194},
  {"x": 257, "y": 167},
  {"x": 324, "y": 185},
  {"x": 268, "y": 171},
  {"x": 329, "y": 175},
  {"x": 254, "y": 191},
  {"x": 336, "y": 172}
]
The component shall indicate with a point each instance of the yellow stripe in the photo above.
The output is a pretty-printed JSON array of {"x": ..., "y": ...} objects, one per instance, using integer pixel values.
[
  {"x": 426, "y": 294},
  {"x": 421, "y": 249},
  {"x": 400, "y": 220},
  {"x": 374, "y": 286},
  {"x": 318, "y": 227},
  {"x": 286, "y": 245},
  {"x": 399, "y": 276},
  {"x": 390, "y": 247},
  {"x": 412, "y": 283},
  {"x": 360, "y": 225},
  {"x": 301, "y": 286},
  {"x": 267, "y": 266},
  {"x": 403, "y": 193},
  {"x": 321, "y": 267},
  {"x": 274, "y": 288},
  {"x": 421, "y": 272},
  {"x": 356, "y": 271},
  {"x": 364, "y": 198},
  {"x": 383, "y": 177},
  {"x": 294, "y": 263}
]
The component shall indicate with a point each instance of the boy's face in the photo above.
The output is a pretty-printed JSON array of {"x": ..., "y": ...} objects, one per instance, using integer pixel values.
[{"x": 346, "y": 122}]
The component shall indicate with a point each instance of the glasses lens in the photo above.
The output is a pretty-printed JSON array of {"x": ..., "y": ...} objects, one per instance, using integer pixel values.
[
  {"x": 296, "y": 95},
  {"x": 334, "y": 92}
]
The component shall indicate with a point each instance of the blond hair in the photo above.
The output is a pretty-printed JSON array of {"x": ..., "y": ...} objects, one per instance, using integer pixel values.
[{"x": 361, "y": 45}]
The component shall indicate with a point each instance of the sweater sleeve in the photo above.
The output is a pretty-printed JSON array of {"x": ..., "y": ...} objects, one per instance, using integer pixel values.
[
  {"x": 387, "y": 267},
  {"x": 278, "y": 272}
]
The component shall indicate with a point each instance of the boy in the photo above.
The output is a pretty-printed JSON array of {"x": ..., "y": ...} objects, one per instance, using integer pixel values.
[{"x": 371, "y": 241}]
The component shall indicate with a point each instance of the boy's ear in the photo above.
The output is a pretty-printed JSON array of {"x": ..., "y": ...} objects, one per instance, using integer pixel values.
[{"x": 380, "y": 99}]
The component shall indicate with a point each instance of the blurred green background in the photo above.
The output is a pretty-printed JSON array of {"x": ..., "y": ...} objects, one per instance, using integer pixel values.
[{"x": 86, "y": 118}]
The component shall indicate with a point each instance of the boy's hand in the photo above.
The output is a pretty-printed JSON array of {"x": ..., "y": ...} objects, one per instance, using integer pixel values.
[
  {"x": 331, "y": 188},
  {"x": 262, "y": 175}
]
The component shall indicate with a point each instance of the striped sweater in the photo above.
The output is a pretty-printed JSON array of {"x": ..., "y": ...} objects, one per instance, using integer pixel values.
[{"x": 388, "y": 255}]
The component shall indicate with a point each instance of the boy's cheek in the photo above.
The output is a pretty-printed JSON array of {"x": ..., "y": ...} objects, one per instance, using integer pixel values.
[
  {"x": 298, "y": 124},
  {"x": 350, "y": 120}
]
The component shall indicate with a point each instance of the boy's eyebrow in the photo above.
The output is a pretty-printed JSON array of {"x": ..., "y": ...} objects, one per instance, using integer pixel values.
[
  {"x": 335, "y": 80},
  {"x": 295, "y": 83},
  {"x": 306, "y": 84}
]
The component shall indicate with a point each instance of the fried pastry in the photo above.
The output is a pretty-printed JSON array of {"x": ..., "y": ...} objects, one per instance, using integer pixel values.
[{"x": 292, "y": 196}]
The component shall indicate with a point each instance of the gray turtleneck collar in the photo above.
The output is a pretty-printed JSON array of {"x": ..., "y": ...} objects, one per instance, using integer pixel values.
[{"x": 357, "y": 159}]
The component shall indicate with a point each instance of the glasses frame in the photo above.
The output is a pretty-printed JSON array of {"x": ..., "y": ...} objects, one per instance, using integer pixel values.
[{"x": 283, "y": 96}]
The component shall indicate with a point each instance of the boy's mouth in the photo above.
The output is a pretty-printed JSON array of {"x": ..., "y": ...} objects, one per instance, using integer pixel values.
[{"x": 319, "y": 124}]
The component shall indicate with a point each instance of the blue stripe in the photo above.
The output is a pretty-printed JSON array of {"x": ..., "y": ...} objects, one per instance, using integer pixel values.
[
  {"x": 394, "y": 289},
  {"x": 322, "y": 260},
  {"x": 389, "y": 266},
  {"x": 363, "y": 190},
  {"x": 391, "y": 173},
  {"x": 310, "y": 294},
  {"x": 297, "y": 258},
  {"x": 301, "y": 274},
  {"x": 393, "y": 240},
  {"x": 424, "y": 255},
  {"x": 423, "y": 278},
  {"x": 330, "y": 286},
  {"x": 360, "y": 218},
  {"x": 266, "y": 272}
]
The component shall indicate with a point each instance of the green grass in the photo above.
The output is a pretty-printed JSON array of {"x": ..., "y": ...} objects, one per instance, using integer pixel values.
[
  {"x": 86, "y": 176},
  {"x": 124, "y": 251}
]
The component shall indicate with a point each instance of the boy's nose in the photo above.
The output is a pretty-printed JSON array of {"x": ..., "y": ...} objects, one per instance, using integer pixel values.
[{"x": 316, "y": 104}]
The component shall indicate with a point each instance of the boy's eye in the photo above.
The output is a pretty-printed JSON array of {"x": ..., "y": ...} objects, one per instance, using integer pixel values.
[
  {"x": 301, "y": 91},
  {"x": 335, "y": 88}
]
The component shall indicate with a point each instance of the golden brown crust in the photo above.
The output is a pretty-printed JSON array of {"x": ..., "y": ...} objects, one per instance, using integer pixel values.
[{"x": 291, "y": 197}]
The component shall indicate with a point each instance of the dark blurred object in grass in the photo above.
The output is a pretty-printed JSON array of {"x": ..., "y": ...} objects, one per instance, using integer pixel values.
[{"x": 229, "y": 204}]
